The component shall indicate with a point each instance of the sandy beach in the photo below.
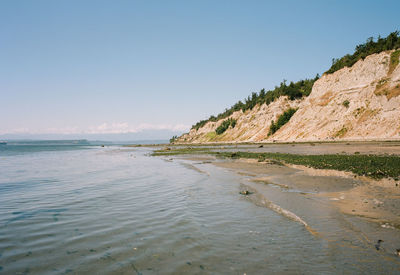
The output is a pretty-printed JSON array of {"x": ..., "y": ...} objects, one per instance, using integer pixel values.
[
  {"x": 376, "y": 200},
  {"x": 325, "y": 201}
]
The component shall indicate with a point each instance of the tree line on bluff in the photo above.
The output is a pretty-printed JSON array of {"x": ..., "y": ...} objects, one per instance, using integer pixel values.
[
  {"x": 303, "y": 88},
  {"x": 294, "y": 90},
  {"x": 391, "y": 42}
]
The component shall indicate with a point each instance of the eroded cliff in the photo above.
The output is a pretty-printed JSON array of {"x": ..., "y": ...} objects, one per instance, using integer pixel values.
[{"x": 357, "y": 103}]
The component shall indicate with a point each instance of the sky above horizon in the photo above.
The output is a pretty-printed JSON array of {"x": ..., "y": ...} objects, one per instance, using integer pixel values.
[{"x": 89, "y": 67}]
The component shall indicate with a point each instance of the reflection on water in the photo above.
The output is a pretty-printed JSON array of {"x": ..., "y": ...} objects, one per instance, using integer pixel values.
[{"x": 111, "y": 210}]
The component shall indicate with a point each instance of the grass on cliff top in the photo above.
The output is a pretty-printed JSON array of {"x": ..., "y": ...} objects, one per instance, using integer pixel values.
[{"x": 372, "y": 166}]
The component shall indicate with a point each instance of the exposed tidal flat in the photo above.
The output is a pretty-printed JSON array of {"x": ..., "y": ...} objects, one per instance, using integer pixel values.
[
  {"x": 94, "y": 210},
  {"x": 357, "y": 182}
]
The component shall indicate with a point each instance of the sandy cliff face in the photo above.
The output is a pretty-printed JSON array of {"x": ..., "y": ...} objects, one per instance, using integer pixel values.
[
  {"x": 357, "y": 103},
  {"x": 251, "y": 126}
]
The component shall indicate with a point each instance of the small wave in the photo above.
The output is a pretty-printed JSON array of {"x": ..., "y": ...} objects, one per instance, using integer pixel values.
[
  {"x": 287, "y": 214},
  {"x": 22, "y": 215},
  {"x": 192, "y": 167},
  {"x": 262, "y": 201},
  {"x": 283, "y": 211}
]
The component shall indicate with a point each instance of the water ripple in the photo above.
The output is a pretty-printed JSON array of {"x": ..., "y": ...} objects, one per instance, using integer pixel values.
[{"x": 102, "y": 211}]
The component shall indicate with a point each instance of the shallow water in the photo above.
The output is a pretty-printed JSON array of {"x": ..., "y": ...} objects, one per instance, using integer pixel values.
[{"x": 118, "y": 210}]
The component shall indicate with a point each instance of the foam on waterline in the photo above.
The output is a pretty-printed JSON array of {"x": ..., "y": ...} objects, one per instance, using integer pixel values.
[{"x": 287, "y": 214}]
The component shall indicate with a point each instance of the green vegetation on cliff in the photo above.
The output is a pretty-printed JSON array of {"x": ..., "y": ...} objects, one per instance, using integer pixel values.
[
  {"x": 392, "y": 41},
  {"x": 172, "y": 140},
  {"x": 303, "y": 88},
  {"x": 282, "y": 120},
  {"x": 225, "y": 125},
  {"x": 293, "y": 90},
  {"x": 394, "y": 61}
]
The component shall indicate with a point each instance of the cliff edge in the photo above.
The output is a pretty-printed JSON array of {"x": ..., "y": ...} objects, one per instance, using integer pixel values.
[{"x": 361, "y": 102}]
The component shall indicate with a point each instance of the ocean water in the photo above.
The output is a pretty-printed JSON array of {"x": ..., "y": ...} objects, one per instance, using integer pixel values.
[{"x": 81, "y": 209}]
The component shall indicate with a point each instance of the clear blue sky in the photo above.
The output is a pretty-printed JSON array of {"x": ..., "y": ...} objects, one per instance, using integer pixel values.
[{"x": 115, "y": 66}]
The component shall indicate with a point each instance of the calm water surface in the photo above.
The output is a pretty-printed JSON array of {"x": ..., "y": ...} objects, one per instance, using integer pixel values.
[{"x": 92, "y": 210}]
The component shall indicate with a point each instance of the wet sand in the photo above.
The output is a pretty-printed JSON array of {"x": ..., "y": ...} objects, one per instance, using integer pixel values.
[
  {"x": 379, "y": 201},
  {"x": 325, "y": 201}
]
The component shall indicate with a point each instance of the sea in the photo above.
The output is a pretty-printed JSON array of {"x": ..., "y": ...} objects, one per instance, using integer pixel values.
[{"x": 76, "y": 208}]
